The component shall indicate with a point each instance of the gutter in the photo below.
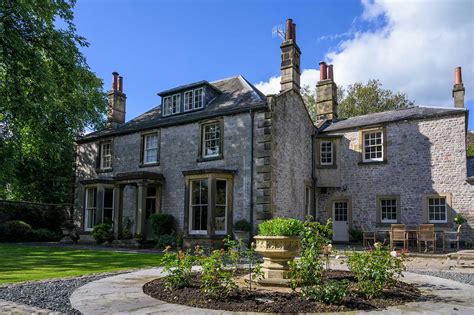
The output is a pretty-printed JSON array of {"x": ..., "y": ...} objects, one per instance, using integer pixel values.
[
  {"x": 313, "y": 175},
  {"x": 252, "y": 116}
]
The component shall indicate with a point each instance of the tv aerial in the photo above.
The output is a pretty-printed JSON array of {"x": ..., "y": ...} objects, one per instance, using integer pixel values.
[{"x": 277, "y": 31}]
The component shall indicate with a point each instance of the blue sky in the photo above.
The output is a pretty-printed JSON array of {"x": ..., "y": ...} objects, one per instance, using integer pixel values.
[{"x": 157, "y": 45}]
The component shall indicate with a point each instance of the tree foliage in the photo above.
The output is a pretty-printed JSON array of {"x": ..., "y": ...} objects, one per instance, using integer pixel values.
[
  {"x": 48, "y": 95},
  {"x": 360, "y": 99}
]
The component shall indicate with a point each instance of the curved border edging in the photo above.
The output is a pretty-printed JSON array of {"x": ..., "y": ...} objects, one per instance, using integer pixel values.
[{"x": 123, "y": 294}]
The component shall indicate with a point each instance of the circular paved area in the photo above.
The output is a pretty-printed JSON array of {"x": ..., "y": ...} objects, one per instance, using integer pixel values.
[{"x": 123, "y": 294}]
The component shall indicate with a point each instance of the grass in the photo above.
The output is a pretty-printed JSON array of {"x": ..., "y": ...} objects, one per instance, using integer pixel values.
[{"x": 25, "y": 262}]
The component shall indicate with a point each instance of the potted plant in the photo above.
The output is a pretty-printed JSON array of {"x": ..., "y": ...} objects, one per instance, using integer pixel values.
[
  {"x": 242, "y": 230},
  {"x": 459, "y": 219},
  {"x": 278, "y": 241}
]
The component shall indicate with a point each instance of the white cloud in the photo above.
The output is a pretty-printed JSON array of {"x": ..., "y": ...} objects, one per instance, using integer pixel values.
[
  {"x": 272, "y": 86},
  {"x": 415, "y": 51}
]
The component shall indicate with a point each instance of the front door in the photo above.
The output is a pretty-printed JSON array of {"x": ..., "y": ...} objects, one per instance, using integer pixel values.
[{"x": 340, "y": 214}]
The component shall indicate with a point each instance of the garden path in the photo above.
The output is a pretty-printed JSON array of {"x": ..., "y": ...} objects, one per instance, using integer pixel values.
[{"x": 124, "y": 294}]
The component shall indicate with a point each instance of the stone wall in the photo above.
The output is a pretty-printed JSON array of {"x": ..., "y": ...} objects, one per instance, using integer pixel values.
[
  {"x": 179, "y": 147},
  {"x": 423, "y": 157},
  {"x": 292, "y": 131}
]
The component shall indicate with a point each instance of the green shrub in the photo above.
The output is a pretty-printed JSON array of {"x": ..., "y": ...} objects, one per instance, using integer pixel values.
[
  {"x": 179, "y": 268},
  {"x": 102, "y": 233},
  {"x": 217, "y": 280},
  {"x": 17, "y": 231},
  {"x": 36, "y": 215},
  {"x": 242, "y": 225},
  {"x": 45, "y": 235},
  {"x": 280, "y": 227},
  {"x": 162, "y": 224},
  {"x": 355, "y": 235},
  {"x": 166, "y": 240},
  {"x": 331, "y": 292},
  {"x": 307, "y": 271},
  {"x": 374, "y": 269}
]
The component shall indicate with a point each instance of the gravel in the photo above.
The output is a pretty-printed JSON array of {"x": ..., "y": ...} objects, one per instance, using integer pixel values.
[
  {"x": 49, "y": 294},
  {"x": 451, "y": 275}
]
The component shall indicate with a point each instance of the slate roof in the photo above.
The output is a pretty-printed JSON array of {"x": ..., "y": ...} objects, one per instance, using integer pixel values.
[
  {"x": 238, "y": 95},
  {"x": 410, "y": 113}
]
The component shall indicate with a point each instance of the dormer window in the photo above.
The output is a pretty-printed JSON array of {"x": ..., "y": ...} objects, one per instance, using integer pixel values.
[
  {"x": 171, "y": 104},
  {"x": 194, "y": 99}
]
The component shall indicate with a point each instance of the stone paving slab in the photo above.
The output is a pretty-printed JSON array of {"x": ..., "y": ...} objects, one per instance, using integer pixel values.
[
  {"x": 123, "y": 294},
  {"x": 7, "y": 307}
]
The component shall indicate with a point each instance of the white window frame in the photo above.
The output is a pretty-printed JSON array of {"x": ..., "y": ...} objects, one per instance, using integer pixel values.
[
  {"x": 188, "y": 105},
  {"x": 105, "y": 158},
  {"x": 146, "y": 149},
  {"x": 88, "y": 211},
  {"x": 331, "y": 152},
  {"x": 382, "y": 220},
  {"x": 191, "y": 231},
  {"x": 226, "y": 205},
  {"x": 201, "y": 100},
  {"x": 445, "y": 208},
  {"x": 364, "y": 147},
  {"x": 166, "y": 105},
  {"x": 205, "y": 141}
]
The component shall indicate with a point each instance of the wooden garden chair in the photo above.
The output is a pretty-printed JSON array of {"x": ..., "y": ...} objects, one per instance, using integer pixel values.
[
  {"x": 398, "y": 233},
  {"x": 426, "y": 233},
  {"x": 452, "y": 237},
  {"x": 367, "y": 235}
]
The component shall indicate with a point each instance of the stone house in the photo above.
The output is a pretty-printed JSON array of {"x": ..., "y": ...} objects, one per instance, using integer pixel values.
[{"x": 216, "y": 152}]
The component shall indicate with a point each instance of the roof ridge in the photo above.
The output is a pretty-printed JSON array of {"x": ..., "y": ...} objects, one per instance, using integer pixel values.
[
  {"x": 225, "y": 79},
  {"x": 252, "y": 87}
]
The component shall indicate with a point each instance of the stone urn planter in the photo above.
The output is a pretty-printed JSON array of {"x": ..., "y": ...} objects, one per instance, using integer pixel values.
[{"x": 277, "y": 251}]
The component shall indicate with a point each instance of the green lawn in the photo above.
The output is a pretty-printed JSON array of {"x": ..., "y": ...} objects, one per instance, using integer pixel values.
[{"x": 26, "y": 263}]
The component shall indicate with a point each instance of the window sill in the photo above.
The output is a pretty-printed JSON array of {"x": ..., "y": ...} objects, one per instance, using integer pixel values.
[
  {"x": 380, "y": 224},
  {"x": 326, "y": 166},
  {"x": 373, "y": 162},
  {"x": 103, "y": 170},
  {"x": 212, "y": 158},
  {"x": 141, "y": 165},
  {"x": 215, "y": 236}
]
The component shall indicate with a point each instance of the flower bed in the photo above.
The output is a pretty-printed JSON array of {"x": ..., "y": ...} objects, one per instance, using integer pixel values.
[{"x": 265, "y": 300}]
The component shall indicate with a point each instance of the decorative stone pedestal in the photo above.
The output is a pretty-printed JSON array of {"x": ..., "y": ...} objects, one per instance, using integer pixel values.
[{"x": 277, "y": 251}]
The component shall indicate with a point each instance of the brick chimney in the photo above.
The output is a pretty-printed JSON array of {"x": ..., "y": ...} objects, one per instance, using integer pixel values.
[
  {"x": 326, "y": 94},
  {"x": 458, "y": 89},
  {"x": 290, "y": 60},
  {"x": 117, "y": 102}
]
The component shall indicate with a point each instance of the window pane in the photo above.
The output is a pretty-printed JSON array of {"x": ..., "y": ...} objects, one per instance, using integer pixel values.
[
  {"x": 199, "y": 205},
  {"x": 388, "y": 208},
  {"x": 212, "y": 140},
  {"x": 108, "y": 205},
  {"x": 373, "y": 146},
  {"x": 221, "y": 206},
  {"x": 188, "y": 100},
  {"x": 437, "y": 209},
  {"x": 198, "y": 98}
]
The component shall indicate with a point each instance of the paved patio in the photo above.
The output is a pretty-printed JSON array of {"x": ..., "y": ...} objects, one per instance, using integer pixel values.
[{"x": 123, "y": 294}]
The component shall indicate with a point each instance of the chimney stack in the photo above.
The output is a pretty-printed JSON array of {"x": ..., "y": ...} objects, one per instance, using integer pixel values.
[
  {"x": 326, "y": 94},
  {"x": 458, "y": 89},
  {"x": 117, "y": 102},
  {"x": 290, "y": 60}
]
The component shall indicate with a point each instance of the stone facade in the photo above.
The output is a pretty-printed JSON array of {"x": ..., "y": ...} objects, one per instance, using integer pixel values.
[{"x": 423, "y": 157}]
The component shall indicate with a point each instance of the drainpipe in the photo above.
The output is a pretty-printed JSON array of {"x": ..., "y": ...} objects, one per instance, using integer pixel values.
[
  {"x": 252, "y": 115},
  {"x": 313, "y": 175}
]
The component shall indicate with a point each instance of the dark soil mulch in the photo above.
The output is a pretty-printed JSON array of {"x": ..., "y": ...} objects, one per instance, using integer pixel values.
[{"x": 244, "y": 300}]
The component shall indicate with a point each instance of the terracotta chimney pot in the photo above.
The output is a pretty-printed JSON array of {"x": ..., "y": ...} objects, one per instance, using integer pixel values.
[
  {"x": 115, "y": 80},
  {"x": 330, "y": 73},
  {"x": 120, "y": 84},
  {"x": 457, "y": 76},
  {"x": 289, "y": 29},
  {"x": 323, "y": 74}
]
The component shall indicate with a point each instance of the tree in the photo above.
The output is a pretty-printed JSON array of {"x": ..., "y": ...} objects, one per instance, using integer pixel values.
[
  {"x": 48, "y": 95},
  {"x": 359, "y": 99}
]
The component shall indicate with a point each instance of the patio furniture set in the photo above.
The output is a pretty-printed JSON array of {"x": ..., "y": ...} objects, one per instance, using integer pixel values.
[{"x": 422, "y": 234}]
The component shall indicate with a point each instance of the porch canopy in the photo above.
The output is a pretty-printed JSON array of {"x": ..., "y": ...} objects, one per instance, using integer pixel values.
[{"x": 140, "y": 179}]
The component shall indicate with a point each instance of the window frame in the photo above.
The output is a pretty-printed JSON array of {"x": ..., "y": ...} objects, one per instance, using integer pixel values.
[
  {"x": 448, "y": 206},
  {"x": 321, "y": 142},
  {"x": 168, "y": 104},
  {"x": 93, "y": 208},
  {"x": 102, "y": 155},
  {"x": 382, "y": 145},
  {"x": 104, "y": 188},
  {"x": 439, "y": 205},
  {"x": 212, "y": 179},
  {"x": 145, "y": 149},
  {"x": 202, "y": 147}
]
